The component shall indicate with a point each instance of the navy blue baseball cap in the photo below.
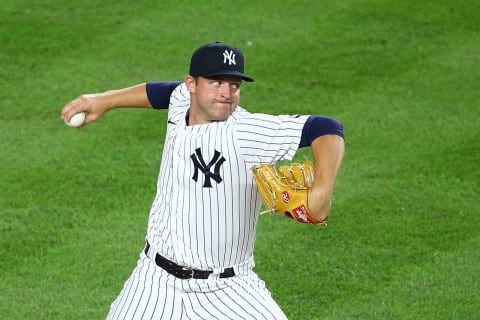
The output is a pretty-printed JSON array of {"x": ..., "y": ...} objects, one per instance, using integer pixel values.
[{"x": 218, "y": 59}]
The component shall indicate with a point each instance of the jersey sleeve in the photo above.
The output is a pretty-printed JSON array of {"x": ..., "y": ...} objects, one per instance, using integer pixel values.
[
  {"x": 158, "y": 93},
  {"x": 317, "y": 126},
  {"x": 269, "y": 138}
]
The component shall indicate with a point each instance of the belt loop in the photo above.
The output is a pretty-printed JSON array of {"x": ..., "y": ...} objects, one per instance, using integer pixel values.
[
  {"x": 215, "y": 275},
  {"x": 149, "y": 252},
  {"x": 147, "y": 248}
]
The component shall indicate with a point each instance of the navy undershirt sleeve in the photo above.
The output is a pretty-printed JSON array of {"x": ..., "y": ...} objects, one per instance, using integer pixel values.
[
  {"x": 317, "y": 126},
  {"x": 159, "y": 92}
]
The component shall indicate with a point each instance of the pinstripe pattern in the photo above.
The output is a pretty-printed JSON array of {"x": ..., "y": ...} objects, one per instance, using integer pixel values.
[
  {"x": 152, "y": 293},
  {"x": 204, "y": 215}
]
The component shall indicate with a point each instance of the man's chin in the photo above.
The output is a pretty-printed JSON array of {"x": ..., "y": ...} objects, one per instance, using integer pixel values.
[
  {"x": 223, "y": 113},
  {"x": 220, "y": 118}
]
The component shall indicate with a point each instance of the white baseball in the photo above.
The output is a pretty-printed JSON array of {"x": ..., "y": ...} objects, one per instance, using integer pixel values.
[{"x": 77, "y": 120}]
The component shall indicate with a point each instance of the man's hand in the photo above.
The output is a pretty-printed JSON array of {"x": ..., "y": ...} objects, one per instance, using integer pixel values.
[{"x": 91, "y": 104}]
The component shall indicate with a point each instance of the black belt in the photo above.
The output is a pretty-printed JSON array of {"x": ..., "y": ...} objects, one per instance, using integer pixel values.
[{"x": 185, "y": 272}]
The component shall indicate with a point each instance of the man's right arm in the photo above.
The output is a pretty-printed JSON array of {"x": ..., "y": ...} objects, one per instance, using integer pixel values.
[{"x": 145, "y": 95}]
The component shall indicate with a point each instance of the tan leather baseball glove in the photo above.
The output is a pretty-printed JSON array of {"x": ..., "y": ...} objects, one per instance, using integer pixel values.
[{"x": 285, "y": 190}]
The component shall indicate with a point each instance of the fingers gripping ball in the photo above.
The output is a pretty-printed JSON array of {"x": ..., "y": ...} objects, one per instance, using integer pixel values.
[
  {"x": 285, "y": 190},
  {"x": 77, "y": 120}
]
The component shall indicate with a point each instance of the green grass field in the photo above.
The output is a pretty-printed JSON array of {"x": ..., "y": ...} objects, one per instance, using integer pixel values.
[{"x": 403, "y": 237}]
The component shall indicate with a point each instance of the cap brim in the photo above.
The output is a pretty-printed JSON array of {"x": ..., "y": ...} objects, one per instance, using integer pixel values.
[{"x": 230, "y": 73}]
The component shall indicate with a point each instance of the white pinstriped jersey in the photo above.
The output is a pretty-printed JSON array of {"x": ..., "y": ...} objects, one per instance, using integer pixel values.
[{"x": 206, "y": 208}]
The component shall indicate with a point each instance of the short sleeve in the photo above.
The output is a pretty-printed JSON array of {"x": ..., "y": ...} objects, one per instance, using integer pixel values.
[{"x": 158, "y": 93}]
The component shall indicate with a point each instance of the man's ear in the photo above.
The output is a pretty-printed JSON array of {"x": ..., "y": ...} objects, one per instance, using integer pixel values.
[{"x": 191, "y": 83}]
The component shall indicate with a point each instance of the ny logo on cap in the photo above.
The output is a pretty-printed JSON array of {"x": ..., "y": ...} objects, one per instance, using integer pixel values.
[{"x": 230, "y": 56}]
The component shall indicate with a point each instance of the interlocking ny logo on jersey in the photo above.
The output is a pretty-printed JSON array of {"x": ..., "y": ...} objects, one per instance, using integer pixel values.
[
  {"x": 200, "y": 164},
  {"x": 230, "y": 56}
]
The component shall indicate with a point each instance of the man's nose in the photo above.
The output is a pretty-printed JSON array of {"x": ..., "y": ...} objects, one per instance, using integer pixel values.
[{"x": 225, "y": 90}]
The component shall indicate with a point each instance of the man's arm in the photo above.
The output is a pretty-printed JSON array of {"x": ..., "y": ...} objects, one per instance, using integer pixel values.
[
  {"x": 328, "y": 151},
  {"x": 96, "y": 104}
]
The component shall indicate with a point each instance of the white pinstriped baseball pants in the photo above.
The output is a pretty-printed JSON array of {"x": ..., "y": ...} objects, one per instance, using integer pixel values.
[{"x": 152, "y": 293}]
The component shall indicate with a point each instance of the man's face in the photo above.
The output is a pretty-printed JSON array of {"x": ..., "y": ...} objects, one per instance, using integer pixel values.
[{"x": 212, "y": 99}]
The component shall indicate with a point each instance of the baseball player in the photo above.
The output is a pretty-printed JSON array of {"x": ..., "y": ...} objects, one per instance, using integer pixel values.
[{"x": 198, "y": 258}]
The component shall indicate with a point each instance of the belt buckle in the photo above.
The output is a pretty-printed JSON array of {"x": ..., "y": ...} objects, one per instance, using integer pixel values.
[{"x": 192, "y": 272}]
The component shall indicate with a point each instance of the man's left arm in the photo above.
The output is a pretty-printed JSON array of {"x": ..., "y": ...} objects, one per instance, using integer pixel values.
[
  {"x": 328, "y": 151},
  {"x": 325, "y": 136}
]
